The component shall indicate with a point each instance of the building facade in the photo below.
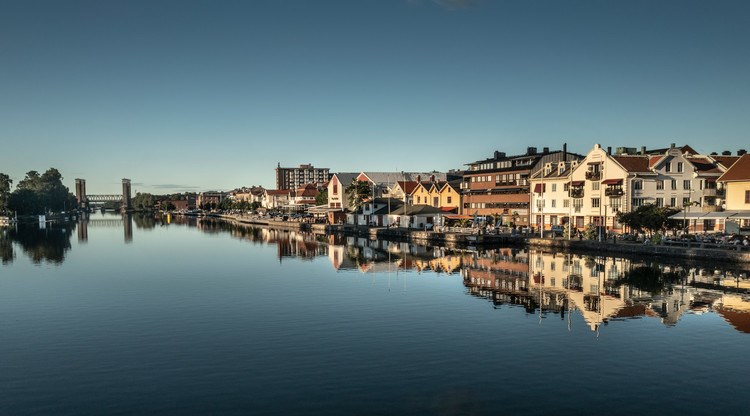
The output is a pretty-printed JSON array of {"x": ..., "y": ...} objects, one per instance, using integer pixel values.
[
  {"x": 293, "y": 178},
  {"x": 500, "y": 186}
]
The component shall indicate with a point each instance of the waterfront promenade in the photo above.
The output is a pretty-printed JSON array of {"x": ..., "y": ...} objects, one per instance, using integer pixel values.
[{"x": 694, "y": 251}]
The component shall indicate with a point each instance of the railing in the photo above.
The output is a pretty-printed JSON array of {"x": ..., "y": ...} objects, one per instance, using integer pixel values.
[
  {"x": 593, "y": 176},
  {"x": 613, "y": 192},
  {"x": 710, "y": 192},
  {"x": 576, "y": 193}
]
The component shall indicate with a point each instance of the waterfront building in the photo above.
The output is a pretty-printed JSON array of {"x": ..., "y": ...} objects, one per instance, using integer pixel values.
[
  {"x": 252, "y": 194},
  {"x": 736, "y": 184},
  {"x": 337, "y": 196},
  {"x": 604, "y": 185},
  {"x": 276, "y": 198},
  {"x": 550, "y": 200},
  {"x": 293, "y": 178},
  {"x": 210, "y": 199},
  {"x": 500, "y": 185},
  {"x": 303, "y": 197}
]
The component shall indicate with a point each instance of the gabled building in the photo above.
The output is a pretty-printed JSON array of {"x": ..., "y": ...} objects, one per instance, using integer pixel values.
[
  {"x": 501, "y": 185},
  {"x": 736, "y": 184},
  {"x": 603, "y": 185},
  {"x": 550, "y": 200},
  {"x": 337, "y": 197},
  {"x": 276, "y": 198}
]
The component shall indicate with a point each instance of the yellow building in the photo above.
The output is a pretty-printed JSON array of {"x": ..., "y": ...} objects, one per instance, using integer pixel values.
[
  {"x": 449, "y": 196},
  {"x": 736, "y": 181}
]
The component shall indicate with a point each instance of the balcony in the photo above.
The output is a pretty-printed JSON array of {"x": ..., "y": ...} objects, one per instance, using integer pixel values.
[
  {"x": 576, "y": 192},
  {"x": 594, "y": 176},
  {"x": 614, "y": 192}
]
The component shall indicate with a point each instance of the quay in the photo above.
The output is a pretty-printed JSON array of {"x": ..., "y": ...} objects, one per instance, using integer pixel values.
[
  {"x": 400, "y": 234},
  {"x": 691, "y": 251}
]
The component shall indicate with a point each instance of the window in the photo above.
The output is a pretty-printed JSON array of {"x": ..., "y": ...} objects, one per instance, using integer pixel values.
[
  {"x": 595, "y": 202},
  {"x": 679, "y": 167},
  {"x": 685, "y": 202},
  {"x": 335, "y": 189},
  {"x": 435, "y": 201},
  {"x": 686, "y": 184},
  {"x": 659, "y": 184},
  {"x": 566, "y": 203},
  {"x": 659, "y": 202},
  {"x": 637, "y": 202},
  {"x": 638, "y": 185},
  {"x": 595, "y": 186},
  {"x": 674, "y": 184},
  {"x": 672, "y": 201},
  {"x": 747, "y": 197},
  {"x": 554, "y": 188},
  {"x": 554, "y": 203},
  {"x": 668, "y": 167},
  {"x": 450, "y": 199},
  {"x": 616, "y": 204}
]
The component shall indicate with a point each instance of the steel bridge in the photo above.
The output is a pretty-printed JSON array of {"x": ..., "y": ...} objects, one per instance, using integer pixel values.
[{"x": 85, "y": 200}]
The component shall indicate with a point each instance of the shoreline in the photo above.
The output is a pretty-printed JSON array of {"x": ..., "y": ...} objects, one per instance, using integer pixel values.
[{"x": 689, "y": 251}]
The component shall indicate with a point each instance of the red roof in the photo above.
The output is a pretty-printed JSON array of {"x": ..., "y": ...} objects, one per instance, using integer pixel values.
[
  {"x": 740, "y": 170},
  {"x": 612, "y": 181},
  {"x": 577, "y": 183},
  {"x": 408, "y": 186}
]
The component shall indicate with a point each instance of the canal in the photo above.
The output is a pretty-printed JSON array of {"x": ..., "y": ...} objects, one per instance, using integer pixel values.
[{"x": 134, "y": 314}]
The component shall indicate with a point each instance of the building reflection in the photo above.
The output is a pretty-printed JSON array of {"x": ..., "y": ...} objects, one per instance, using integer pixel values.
[
  {"x": 124, "y": 221},
  {"x": 41, "y": 243}
]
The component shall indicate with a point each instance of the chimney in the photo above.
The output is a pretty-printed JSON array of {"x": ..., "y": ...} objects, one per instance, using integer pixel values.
[
  {"x": 726, "y": 153},
  {"x": 497, "y": 155},
  {"x": 432, "y": 178},
  {"x": 672, "y": 146},
  {"x": 643, "y": 150},
  {"x": 531, "y": 150},
  {"x": 741, "y": 152},
  {"x": 546, "y": 150},
  {"x": 565, "y": 152},
  {"x": 609, "y": 150},
  {"x": 419, "y": 178}
]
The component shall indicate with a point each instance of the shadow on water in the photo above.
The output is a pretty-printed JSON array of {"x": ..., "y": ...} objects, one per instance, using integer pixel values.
[{"x": 47, "y": 244}]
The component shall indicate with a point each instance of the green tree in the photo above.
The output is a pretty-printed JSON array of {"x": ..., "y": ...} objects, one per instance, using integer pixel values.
[
  {"x": 649, "y": 218},
  {"x": 143, "y": 202},
  {"x": 38, "y": 194},
  {"x": 358, "y": 192},
  {"x": 5, "y": 184},
  {"x": 322, "y": 198}
]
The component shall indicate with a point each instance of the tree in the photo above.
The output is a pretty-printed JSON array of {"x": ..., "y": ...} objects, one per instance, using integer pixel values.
[
  {"x": 648, "y": 218},
  {"x": 358, "y": 192},
  {"x": 5, "y": 184},
  {"x": 38, "y": 194},
  {"x": 322, "y": 198},
  {"x": 143, "y": 202}
]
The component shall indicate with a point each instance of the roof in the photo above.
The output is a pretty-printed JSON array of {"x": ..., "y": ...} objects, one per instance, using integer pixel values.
[
  {"x": 704, "y": 165},
  {"x": 277, "y": 191},
  {"x": 740, "y": 170},
  {"x": 726, "y": 161},
  {"x": 393, "y": 177},
  {"x": 633, "y": 163},
  {"x": 407, "y": 186},
  {"x": 346, "y": 178},
  {"x": 417, "y": 210}
]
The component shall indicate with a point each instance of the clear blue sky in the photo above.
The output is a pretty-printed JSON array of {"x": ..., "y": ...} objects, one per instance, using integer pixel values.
[{"x": 197, "y": 95}]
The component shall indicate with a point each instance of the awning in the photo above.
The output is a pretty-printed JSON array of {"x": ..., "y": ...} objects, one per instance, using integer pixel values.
[
  {"x": 743, "y": 215},
  {"x": 539, "y": 188},
  {"x": 718, "y": 215},
  {"x": 687, "y": 215},
  {"x": 612, "y": 181},
  {"x": 577, "y": 183}
]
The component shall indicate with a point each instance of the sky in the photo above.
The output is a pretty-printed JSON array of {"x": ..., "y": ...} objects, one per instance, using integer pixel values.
[{"x": 210, "y": 95}]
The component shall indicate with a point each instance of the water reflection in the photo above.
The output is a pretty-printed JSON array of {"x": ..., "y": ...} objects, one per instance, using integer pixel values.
[
  {"x": 600, "y": 289},
  {"x": 48, "y": 244}
]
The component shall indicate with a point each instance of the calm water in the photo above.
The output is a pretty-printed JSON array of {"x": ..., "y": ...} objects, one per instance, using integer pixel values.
[{"x": 129, "y": 316}]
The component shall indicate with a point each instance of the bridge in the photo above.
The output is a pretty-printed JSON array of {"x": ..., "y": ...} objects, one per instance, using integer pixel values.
[{"x": 85, "y": 200}]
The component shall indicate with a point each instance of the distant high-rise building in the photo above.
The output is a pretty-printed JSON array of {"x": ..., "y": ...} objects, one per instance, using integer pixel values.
[{"x": 293, "y": 178}]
